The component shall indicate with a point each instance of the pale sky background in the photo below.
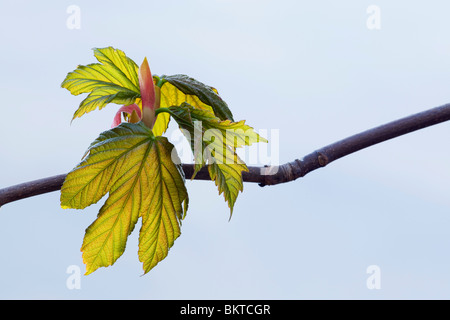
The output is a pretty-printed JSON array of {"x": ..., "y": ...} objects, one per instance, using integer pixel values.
[{"x": 312, "y": 70}]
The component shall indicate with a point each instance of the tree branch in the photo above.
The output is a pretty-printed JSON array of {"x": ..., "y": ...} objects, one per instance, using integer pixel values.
[{"x": 274, "y": 175}]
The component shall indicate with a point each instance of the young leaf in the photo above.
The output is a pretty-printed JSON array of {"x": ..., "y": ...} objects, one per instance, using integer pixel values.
[
  {"x": 113, "y": 80},
  {"x": 137, "y": 170},
  {"x": 219, "y": 139},
  {"x": 161, "y": 226},
  {"x": 208, "y": 95}
]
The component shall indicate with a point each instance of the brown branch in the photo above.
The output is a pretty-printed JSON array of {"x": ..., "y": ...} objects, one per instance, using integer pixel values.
[{"x": 274, "y": 175}]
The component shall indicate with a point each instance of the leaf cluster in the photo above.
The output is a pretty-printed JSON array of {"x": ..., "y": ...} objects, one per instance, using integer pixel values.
[{"x": 138, "y": 167}]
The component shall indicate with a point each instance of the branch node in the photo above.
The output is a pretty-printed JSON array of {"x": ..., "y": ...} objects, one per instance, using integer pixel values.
[{"x": 322, "y": 158}]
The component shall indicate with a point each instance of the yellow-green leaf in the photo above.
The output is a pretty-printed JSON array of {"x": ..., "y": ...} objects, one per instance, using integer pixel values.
[
  {"x": 161, "y": 226},
  {"x": 137, "y": 170},
  {"x": 219, "y": 140},
  {"x": 113, "y": 80}
]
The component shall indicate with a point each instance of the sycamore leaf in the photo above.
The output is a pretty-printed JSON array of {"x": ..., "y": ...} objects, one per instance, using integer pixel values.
[
  {"x": 206, "y": 94},
  {"x": 138, "y": 171},
  {"x": 100, "y": 97},
  {"x": 113, "y": 80},
  {"x": 219, "y": 139}
]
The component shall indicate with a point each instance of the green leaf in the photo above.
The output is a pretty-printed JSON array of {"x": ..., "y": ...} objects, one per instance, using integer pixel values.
[
  {"x": 137, "y": 170},
  {"x": 113, "y": 80},
  {"x": 206, "y": 94},
  {"x": 219, "y": 140}
]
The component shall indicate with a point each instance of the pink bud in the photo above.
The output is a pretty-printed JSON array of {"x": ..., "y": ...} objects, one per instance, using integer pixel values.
[{"x": 147, "y": 94}]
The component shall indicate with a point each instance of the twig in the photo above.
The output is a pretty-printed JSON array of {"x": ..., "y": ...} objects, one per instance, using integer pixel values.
[{"x": 274, "y": 175}]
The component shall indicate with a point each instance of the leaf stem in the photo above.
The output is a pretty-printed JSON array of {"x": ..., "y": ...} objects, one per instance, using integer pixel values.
[{"x": 159, "y": 110}]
